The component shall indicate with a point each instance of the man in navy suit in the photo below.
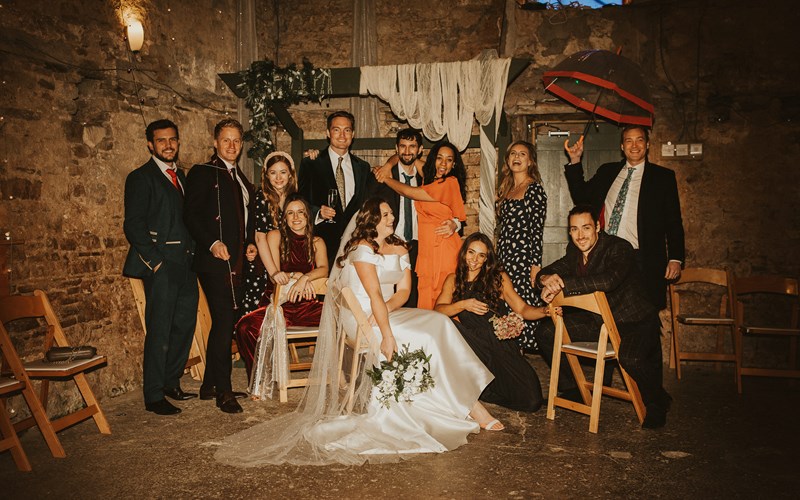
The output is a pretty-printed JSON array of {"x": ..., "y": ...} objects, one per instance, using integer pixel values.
[
  {"x": 648, "y": 214},
  {"x": 335, "y": 168},
  {"x": 219, "y": 215},
  {"x": 161, "y": 255}
]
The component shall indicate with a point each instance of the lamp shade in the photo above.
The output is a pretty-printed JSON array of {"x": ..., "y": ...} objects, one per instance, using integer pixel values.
[{"x": 135, "y": 35}]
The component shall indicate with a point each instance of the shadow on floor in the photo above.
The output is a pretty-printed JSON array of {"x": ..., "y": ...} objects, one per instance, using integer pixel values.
[{"x": 716, "y": 444}]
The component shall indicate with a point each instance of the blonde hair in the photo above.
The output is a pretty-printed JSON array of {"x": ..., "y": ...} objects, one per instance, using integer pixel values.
[{"x": 507, "y": 182}]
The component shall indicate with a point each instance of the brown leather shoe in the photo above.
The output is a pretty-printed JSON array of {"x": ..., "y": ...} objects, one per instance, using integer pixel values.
[{"x": 226, "y": 402}]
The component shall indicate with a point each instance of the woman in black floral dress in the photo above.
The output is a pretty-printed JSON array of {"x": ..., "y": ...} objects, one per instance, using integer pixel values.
[
  {"x": 521, "y": 211},
  {"x": 278, "y": 180}
]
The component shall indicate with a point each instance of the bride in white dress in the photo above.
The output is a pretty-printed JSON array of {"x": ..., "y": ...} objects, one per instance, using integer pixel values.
[{"x": 374, "y": 264}]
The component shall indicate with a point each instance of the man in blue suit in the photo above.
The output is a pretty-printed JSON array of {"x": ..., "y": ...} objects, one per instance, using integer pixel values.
[{"x": 161, "y": 255}]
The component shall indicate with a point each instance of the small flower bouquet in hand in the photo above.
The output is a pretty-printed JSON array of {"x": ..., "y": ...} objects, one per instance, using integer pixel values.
[
  {"x": 508, "y": 326},
  {"x": 404, "y": 376}
]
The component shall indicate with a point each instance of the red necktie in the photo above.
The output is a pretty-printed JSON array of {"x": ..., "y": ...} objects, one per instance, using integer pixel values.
[{"x": 174, "y": 175}]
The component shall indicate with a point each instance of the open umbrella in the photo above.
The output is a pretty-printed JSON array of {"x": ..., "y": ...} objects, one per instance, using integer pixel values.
[{"x": 603, "y": 83}]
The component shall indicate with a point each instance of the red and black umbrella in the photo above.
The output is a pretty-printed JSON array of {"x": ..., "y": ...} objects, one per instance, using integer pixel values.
[{"x": 603, "y": 83}]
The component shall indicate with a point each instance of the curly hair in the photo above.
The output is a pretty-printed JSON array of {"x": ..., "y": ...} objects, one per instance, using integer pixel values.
[
  {"x": 488, "y": 282},
  {"x": 367, "y": 220},
  {"x": 270, "y": 194},
  {"x": 287, "y": 233},
  {"x": 458, "y": 170},
  {"x": 507, "y": 182}
]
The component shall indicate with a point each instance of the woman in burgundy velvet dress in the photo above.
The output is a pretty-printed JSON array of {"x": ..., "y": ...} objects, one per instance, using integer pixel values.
[{"x": 303, "y": 258}]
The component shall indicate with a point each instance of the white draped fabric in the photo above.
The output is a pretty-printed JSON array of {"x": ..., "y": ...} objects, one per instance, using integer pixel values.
[{"x": 443, "y": 99}]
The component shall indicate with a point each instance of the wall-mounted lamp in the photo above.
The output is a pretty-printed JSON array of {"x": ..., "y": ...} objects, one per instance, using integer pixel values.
[{"x": 135, "y": 34}]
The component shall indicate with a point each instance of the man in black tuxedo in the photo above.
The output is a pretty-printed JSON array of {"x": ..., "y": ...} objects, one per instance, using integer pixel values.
[
  {"x": 335, "y": 168},
  {"x": 649, "y": 213},
  {"x": 219, "y": 215},
  {"x": 161, "y": 255},
  {"x": 596, "y": 261}
]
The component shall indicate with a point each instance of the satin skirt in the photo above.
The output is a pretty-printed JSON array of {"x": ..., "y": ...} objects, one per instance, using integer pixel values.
[{"x": 436, "y": 420}]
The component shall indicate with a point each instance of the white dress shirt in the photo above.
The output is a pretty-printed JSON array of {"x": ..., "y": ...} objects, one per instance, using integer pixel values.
[
  {"x": 628, "y": 229},
  {"x": 400, "y": 219},
  {"x": 164, "y": 167},
  {"x": 245, "y": 194}
]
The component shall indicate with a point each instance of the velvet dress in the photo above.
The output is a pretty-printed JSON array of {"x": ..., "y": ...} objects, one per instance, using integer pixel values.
[
  {"x": 301, "y": 313},
  {"x": 515, "y": 385}
]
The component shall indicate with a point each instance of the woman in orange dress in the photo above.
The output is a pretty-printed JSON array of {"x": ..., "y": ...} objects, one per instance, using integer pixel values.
[{"x": 440, "y": 198}]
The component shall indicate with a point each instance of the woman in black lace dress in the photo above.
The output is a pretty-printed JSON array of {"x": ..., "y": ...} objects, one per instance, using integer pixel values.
[
  {"x": 478, "y": 291},
  {"x": 521, "y": 211},
  {"x": 278, "y": 180}
]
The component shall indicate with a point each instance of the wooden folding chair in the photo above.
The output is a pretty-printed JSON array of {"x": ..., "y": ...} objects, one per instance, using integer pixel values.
[
  {"x": 774, "y": 287},
  {"x": 299, "y": 336},
  {"x": 196, "y": 363},
  {"x": 720, "y": 320},
  {"x": 10, "y": 440},
  {"x": 16, "y": 307},
  {"x": 359, "y": 344},
  {"x": 600, "y": 351}
]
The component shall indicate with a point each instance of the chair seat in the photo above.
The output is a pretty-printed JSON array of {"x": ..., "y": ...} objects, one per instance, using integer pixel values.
[
  {"x": 300, "y": 331},
  {"x": 767, "y": 330},
  {"x": 43, "y": 367},
  {"x": 8, "y": 384},
  {"x": 704, "y": 320},
  {"x": 587, "y": 348}
]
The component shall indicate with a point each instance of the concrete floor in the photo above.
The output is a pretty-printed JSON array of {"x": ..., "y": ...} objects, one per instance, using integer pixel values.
[{"x": 716, "y": 444}]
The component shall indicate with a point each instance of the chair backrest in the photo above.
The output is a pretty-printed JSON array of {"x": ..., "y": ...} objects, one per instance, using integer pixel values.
[
  {"x": 766, "y": 284},
  {"x": 362, "y": 323},
  {"x": 718, "y": 277},
  {"x": 595, "y": 302},
  {"x": 320, "y": 287},
  {"x": 14, "y": 307}
]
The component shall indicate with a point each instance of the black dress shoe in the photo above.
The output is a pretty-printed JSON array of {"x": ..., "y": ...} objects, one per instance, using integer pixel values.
[
  {"x": 177, "y": 394},
  {"x": 226, "y": 402},
  {"x": 162, "y": 407},
  {"x": 656, "y": 417}
]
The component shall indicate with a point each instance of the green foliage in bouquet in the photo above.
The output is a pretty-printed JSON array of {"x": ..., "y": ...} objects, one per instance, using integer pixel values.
[{"x": 404, "y": 376}]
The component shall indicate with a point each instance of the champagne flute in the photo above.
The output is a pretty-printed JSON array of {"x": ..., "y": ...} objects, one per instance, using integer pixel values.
[{"x": 333, "y": 201}]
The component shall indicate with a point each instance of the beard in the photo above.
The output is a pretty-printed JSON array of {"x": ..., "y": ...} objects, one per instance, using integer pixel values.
[
  {"x": 408, "y": 160},
  {"x": 165, "y": 159}
]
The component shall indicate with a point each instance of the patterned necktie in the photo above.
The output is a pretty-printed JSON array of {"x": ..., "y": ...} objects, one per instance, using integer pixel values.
[
  {"x": 408, "y": 227},
  {"x": 619, "y": 205},
  {"x": 340, "y": 183},
  {"x": 174, "y": 175}
]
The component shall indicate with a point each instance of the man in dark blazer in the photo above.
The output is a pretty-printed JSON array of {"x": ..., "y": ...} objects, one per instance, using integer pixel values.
[
  {"x": 353, "y": 182},
  {"x": 161, "y": 255},
  {"x": 409, "y": 148},
  {"x": 596, "y": 261},
  {"x": 219, "y": 214},
  {"x": 649, "y": 216}
]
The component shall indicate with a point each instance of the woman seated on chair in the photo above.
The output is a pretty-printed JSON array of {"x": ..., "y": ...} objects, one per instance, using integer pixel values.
[
  {"x": 303, "y": 258},
  {"x": 374, "y": 264},
  {"x": 475, "y": 294}
]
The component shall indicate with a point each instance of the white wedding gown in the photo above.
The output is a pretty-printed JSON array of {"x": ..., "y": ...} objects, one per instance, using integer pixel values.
[{"x": 320, "y": 432}]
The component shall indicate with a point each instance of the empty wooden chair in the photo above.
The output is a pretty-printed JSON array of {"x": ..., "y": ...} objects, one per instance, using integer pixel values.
[
  {"x": 605, "y": 349},
  {"x": 772, "y": 288},
  {"x": 358, "y": 342},
  {"x": 17, "y": 307},
  {"x": 720, "y": 320},
  {"x": 10, "y": 440},
  {"x": 299, "y": 336}
]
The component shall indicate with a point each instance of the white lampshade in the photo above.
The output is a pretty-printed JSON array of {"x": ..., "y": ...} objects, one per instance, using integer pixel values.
[{"x": 135, "y": 35}]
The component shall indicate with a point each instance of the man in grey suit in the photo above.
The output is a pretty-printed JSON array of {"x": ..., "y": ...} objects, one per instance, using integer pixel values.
[{"x": 161, "y": 255}]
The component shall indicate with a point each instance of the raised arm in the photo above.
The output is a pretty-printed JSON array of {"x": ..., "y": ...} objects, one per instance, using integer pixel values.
[{"x": 413, "y": 192}]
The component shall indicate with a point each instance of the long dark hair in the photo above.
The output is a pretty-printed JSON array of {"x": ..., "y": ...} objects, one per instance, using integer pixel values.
[
  {"x": 287, "y": 235},
  {"x": 489, "y": 281},
  {"x": 458, "y": 170},
  {"x": 272, "y": 196},
  {"x": 367, "y": 220}
]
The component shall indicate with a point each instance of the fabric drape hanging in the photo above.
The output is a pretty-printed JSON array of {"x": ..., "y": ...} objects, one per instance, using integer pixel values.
[
  {"x": 443, "y": 99},
  {"x": 365, "y": 51}
]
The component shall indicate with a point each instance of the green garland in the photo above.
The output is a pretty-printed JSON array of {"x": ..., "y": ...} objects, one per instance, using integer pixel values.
[{"x": 266, "y": 85}]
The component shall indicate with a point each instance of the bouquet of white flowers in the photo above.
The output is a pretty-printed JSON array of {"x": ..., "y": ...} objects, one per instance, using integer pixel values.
[{"x": 405, "y": 375}]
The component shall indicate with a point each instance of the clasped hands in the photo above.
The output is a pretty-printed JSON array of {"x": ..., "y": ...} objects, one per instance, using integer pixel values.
[{"x": 552, "y": 284}]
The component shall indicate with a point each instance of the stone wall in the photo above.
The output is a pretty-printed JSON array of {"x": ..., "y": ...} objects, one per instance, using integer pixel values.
[{"x": 72, "y": 127}]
